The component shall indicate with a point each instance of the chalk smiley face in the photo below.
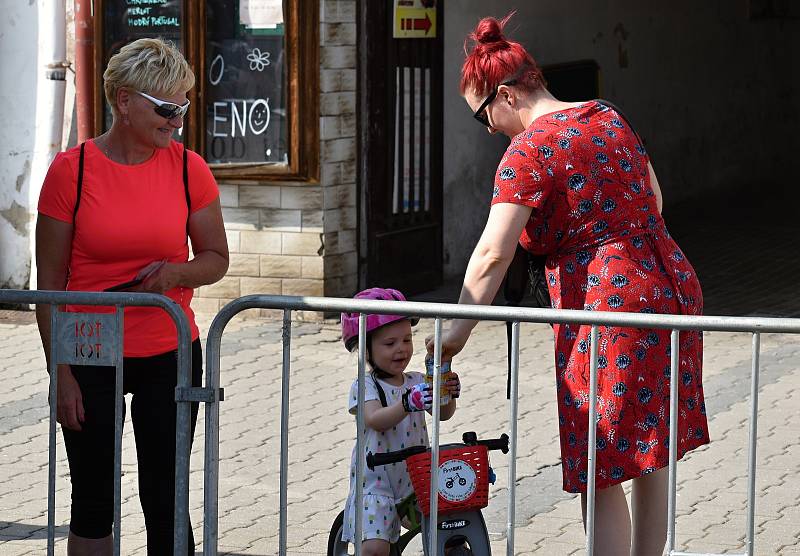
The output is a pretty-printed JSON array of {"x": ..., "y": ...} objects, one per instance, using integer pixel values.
[{"x": 258, "y": 118}]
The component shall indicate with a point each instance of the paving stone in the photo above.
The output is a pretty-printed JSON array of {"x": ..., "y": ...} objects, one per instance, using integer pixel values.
[{"x": 712, "y": 481}]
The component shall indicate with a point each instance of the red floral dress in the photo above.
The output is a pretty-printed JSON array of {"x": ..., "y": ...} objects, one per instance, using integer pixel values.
[{"x": 584, "y": 174}]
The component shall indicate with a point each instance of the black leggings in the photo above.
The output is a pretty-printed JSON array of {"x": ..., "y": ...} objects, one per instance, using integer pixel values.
[{"x": 90, "y": 452}]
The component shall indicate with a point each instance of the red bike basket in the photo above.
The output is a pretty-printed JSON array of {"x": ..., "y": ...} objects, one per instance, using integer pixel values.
[{"x": 463, "y": 481}]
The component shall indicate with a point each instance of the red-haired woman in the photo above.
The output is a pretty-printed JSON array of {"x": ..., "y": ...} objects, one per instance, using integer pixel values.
[{"x": 576, "y": 184}]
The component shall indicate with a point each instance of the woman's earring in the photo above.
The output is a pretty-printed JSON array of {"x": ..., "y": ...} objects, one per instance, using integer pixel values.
[{"x": 125, "y": 120}]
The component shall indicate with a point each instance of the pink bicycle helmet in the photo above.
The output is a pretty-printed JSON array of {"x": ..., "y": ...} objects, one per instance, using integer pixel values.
[{"x": 350, "y": 320}]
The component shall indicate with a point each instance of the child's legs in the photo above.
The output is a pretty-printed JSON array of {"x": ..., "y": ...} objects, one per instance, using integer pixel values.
[
  {"x": 380, "y": 523},
  {"x": 375, "y": 547},
  {"x": 649, "y": 499},
  {"x": 612, "y": 522}
]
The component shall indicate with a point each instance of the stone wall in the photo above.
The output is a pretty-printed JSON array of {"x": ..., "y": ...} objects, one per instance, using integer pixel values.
[
  {"x": 338, "y": 145},
  {"x": 300, "y": 239}
]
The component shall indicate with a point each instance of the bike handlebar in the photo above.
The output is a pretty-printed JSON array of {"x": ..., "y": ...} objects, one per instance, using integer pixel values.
[
  {"x": 393, "y": 457},
  {"x": 400, "y": 455},
  {"x": 496, "y": 443}
]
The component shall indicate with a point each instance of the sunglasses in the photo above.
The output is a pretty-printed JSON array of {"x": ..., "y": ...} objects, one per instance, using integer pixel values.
[
  {"x": 480, "y": 113},
  {"x": 168, "y": 110}
]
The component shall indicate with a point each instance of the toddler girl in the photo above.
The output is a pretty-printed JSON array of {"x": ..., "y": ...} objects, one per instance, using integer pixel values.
[{"x": 393, "y": 416}]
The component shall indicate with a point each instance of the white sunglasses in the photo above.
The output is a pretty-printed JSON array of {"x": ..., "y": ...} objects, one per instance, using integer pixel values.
[{"x": 168, "y": 110}]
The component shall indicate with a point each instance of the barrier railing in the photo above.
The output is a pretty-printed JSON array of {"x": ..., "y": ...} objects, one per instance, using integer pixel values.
[
  {"x": 96, "y": 339},
  {"x": 516, "y": 315}
]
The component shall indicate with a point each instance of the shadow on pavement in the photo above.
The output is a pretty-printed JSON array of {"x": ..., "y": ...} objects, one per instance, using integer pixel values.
[
  {"x": 744, "y": 248},
  {"x": 15, "y": 531}
]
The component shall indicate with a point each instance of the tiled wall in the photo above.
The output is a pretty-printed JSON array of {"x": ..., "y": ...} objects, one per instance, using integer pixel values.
[{"x": 301, "y": 239}]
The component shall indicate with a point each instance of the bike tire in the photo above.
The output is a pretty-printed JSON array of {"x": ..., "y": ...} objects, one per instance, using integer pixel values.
[{"x": 336, "y": 546}]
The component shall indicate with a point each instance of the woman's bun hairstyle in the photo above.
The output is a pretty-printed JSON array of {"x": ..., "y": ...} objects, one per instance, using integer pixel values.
[
  {"x": 489, "y": 30},
  {"x": 491, "y": 57}
]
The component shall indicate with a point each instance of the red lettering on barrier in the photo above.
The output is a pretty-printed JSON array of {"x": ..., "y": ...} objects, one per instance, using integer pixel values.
[{"x": 87, "y": 329}]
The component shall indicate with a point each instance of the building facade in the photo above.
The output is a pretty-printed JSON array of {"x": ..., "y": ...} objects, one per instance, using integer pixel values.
[
  {"x": 273, "y": 113},
  {"x": 344, "y": 154}
]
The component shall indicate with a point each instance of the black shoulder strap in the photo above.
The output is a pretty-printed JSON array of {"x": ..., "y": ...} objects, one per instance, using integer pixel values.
[
  {"x": 80, "y": 185},
  {"x": 616, "y": 109},
  {"x": 186, "y": 187},
  {"x": 381, "y": 393}
]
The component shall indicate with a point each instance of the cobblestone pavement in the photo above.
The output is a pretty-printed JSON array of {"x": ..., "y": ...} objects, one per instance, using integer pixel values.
[{"x": 712, "y": 480}]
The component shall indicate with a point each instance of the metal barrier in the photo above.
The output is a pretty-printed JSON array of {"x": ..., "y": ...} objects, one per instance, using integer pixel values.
[
  {"x": 96, "y": 339},
  {"x": 438, "y": 311}
]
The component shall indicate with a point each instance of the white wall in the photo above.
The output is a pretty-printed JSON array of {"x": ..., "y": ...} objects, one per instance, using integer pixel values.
[
  {"x": 714, "y": 94},
  {"x": 18, "y": 54}
]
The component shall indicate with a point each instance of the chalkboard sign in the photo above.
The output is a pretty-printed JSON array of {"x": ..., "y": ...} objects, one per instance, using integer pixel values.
[
  {"x": 245, "y": 88},
  {"x": 124, "y": 21},
  {"x": 127, "y": 20}
]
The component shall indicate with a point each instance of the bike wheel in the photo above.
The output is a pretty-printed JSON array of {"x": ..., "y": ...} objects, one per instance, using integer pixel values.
[
  {"x": 336, "y": 546},
  {"x": 459, "y": 549}
]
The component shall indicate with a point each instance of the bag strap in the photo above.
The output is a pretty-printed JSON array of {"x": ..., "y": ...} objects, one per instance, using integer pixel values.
[
  {"x": 381, "y": 393},
  {"x": 616, "y": 109},
  {"x": 80, "y": 186},
  {"x": 186, "y": 187}
]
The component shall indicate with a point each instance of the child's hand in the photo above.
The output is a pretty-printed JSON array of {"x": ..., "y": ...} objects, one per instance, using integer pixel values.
[
  {"x": 417, "y": 398},
  {"x": 453, "y": 385}
]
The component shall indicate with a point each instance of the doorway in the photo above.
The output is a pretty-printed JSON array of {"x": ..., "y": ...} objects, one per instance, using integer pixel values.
[{"x": 400, "y": 152}]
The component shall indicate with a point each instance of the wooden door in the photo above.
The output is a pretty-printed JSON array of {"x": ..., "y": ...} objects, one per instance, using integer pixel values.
[{"x": 400, "y": 152}]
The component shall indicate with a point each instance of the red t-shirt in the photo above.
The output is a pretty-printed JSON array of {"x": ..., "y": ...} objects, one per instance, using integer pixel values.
[{"x": 129, "y": 216}]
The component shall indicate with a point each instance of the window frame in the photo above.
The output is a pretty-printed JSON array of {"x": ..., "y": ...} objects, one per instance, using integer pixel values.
[{"x": 301, "y": 24}]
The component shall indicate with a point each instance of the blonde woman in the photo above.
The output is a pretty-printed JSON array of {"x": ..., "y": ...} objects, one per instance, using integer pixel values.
[{"x": 116, "y": 213}]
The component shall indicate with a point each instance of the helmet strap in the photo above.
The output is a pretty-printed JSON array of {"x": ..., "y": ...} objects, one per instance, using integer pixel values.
[{"x": 377, "y": 371}]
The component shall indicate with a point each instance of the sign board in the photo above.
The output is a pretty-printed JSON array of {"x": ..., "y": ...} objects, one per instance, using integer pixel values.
[
  {"x": 87, "y": 339},
  {"x": 261, "y": 14},
  {"x": 414, "y": 19},
  {"x": 245, "y": 91},
  {"x": 147, "y": 18},
  {"x": 124, "y": 21},
  {"x": 457, "y": 480}
]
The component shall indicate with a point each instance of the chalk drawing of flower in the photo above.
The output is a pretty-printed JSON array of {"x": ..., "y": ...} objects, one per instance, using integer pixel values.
[{"x": 258, "y": 60}]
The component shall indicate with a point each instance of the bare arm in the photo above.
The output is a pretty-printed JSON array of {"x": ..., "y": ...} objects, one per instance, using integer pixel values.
[
  {"x": 210, "y": 261},
  {"x": 381, "y": 418},
  {"x": 656, "y": 188},
  {"x": 53, "y": 246},
  {"x": 486, "y": 269},
  {"x": 447, "y": 411}
]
